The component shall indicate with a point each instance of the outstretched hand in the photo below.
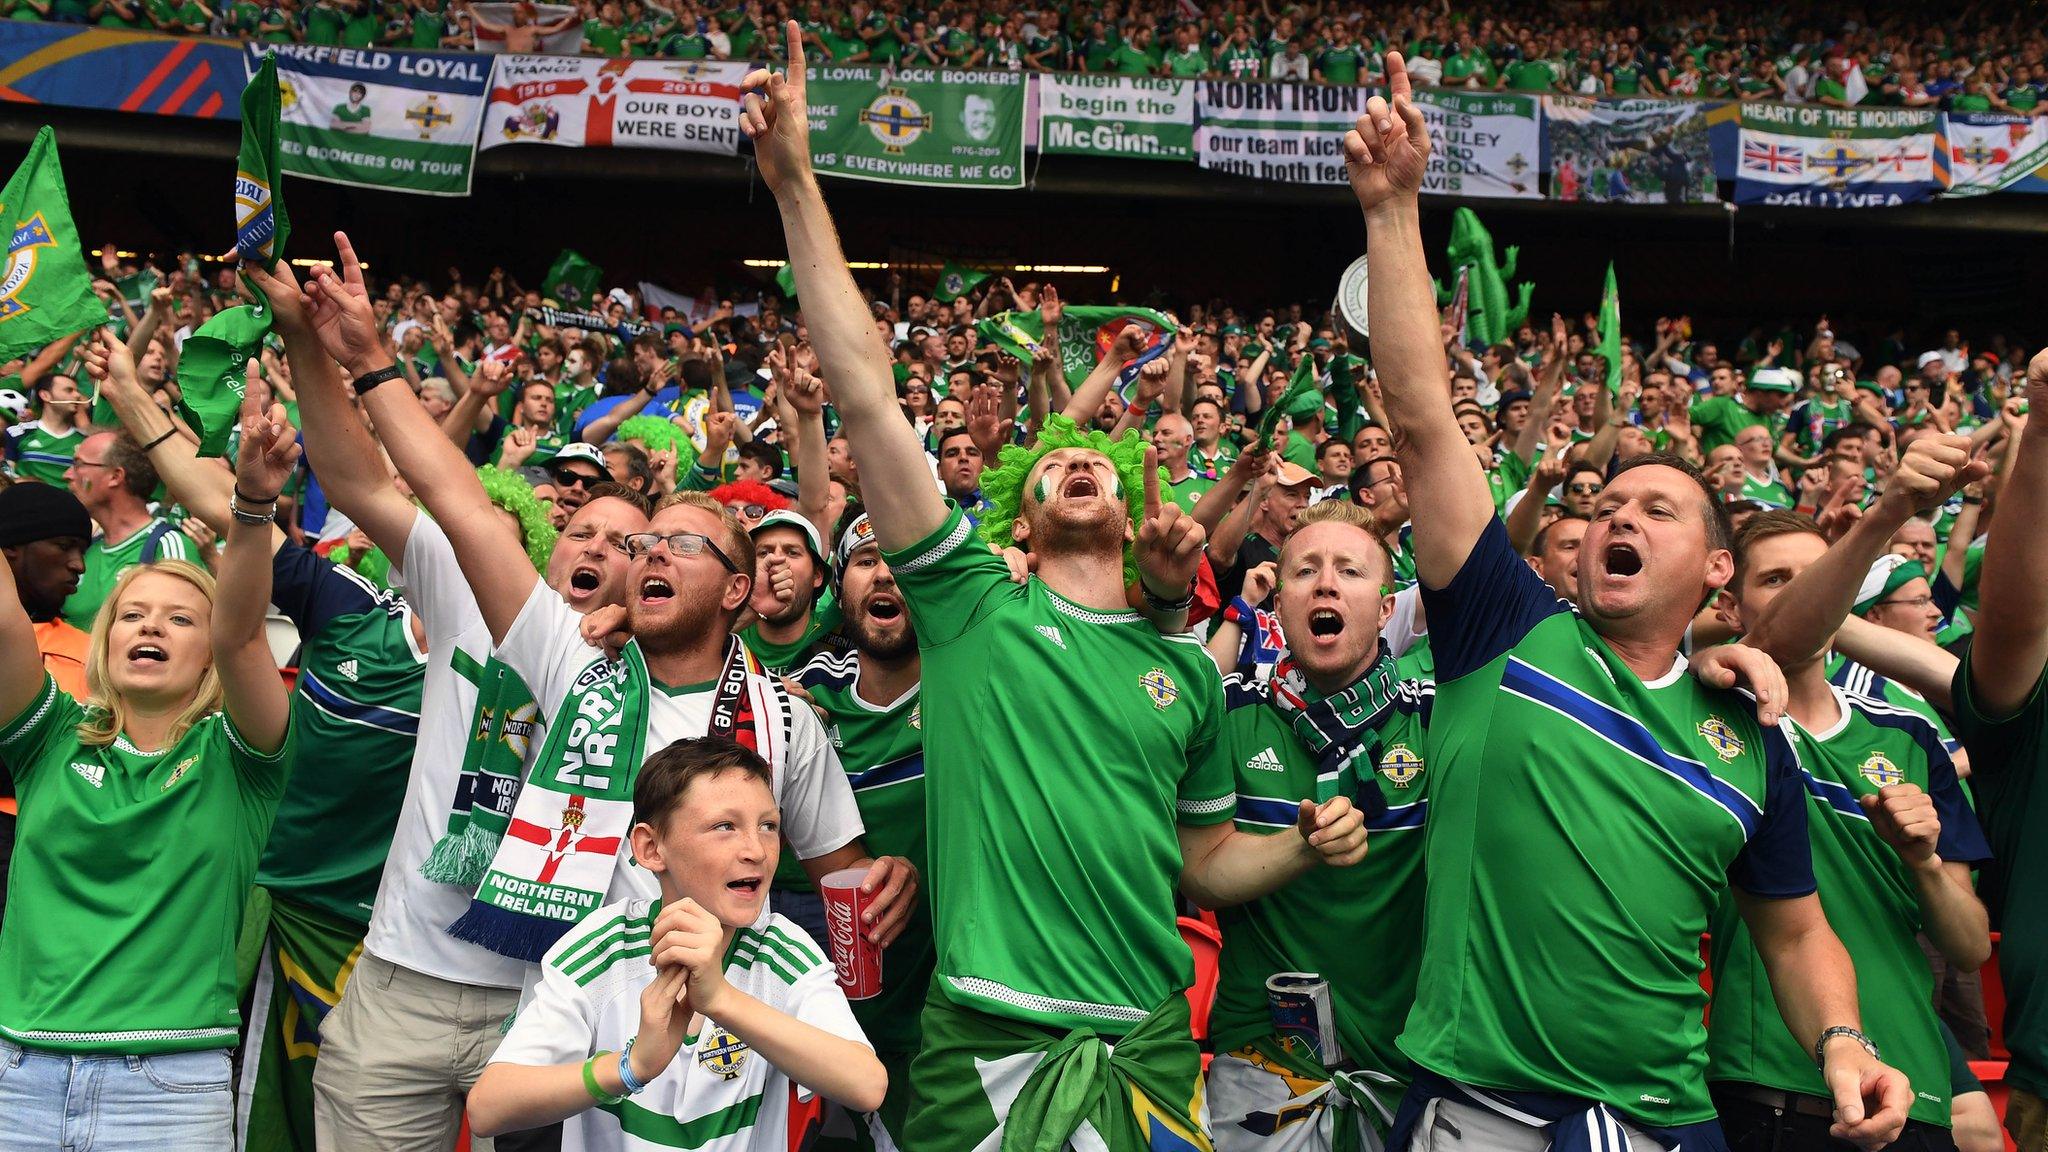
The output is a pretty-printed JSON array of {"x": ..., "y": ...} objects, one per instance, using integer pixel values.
[
  {"x": 1386, "y": 152},
  {"x": 1169, "y": 541},
  {"x": 775, "y": 116},
  {"x": 340, "y": 312},
  {"x": 270, "y": 445}
]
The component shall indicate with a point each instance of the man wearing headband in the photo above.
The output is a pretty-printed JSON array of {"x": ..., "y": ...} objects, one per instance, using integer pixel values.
[
  {"x": 1068, "y": 739},
  {"x": 870, "y": 699}
]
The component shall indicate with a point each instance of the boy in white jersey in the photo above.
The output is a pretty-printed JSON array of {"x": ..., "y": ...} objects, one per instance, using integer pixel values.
[{"x": 682, "y": 1022}]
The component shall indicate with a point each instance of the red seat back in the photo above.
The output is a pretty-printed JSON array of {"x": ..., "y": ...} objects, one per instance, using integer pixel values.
[
  {"x": 1207, "y": 945},
  {"x": 1994, "y": 1003}
]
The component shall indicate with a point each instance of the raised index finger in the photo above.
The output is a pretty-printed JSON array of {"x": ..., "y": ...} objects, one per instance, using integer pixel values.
[
  {"x": 351, "y": 268},
  {"x": 255, "y": 393},
  {"x": 1151, "y": 482},
  {"x": 1398, "y": 84},
  {"x": 796, "y": 51}
]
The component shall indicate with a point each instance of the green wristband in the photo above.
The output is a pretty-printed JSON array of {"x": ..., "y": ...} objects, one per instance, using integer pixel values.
[{"x": 591, "y": 1085}]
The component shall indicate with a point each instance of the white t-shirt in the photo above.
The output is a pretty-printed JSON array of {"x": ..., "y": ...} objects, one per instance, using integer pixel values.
[
  {"x": 408, "y": 926},
  {"x": 588, "y": 1000},
  {"x": 819, "y": 816}
]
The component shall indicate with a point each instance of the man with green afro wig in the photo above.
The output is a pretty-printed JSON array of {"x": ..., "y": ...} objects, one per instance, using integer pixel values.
[
  {"x": 1068, "y": 786},
  {"x": 1004, "y": 486}
]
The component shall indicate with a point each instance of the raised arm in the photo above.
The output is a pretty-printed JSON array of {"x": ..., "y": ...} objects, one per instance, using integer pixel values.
[
  {"x": 1801, "y": 619},
  {"x": 1087, "y": 399},
  {"x": 349, "y": 463},
  {"x": 902, "y": 501},
  {"x": 1385, "y": 155},
  {"x": 495, "y": 565},
  {"x": 21, "y": 662},
  {"x": 805, "y": 394},
  {"x": 2011, "y": 644},
  {"x": 256, "y": 697}
]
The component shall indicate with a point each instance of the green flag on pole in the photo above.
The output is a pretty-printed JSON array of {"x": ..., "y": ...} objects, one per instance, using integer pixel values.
[
  {"x": 573, "y": 280},
  {"x": 261, "y": 226},
  {"x": 956, "y": 281},
  {"x": 785, "y": 280},
  {"x": 211, "y": 373},
  {"x": 1610, "y": 330},
  {"x": 1303, "y": 395},
  {"x": 45, "y": 290}
]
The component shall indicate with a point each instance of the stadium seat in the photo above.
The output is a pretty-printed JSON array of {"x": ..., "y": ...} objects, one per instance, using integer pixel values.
[
  {"x": 1994, "y": 1002},
  {"x": 805, "y": 1118},
  {"x": 1207, "y": 945},
  {"x": 1992, "y": 1074}
]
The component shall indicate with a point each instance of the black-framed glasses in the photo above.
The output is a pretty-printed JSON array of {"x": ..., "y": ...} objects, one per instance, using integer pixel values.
[
  {"x": 77, "y": 463},
  {"x": 639, "y": 544},
  {"x": 570, "y": 478},
  {"x": 1907, "y": 602}
]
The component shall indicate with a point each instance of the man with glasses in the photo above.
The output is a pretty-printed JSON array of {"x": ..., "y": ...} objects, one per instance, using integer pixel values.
[
  {"x": 1582, "y": 486},
  {"x": 111, "y": 475},
  {"x": 1380, "y": 485}
]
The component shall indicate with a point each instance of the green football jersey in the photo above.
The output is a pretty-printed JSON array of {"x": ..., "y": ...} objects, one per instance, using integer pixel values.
[
  {"x": 357, "y": 712},
  {"x": 882, "y": 750},
  {"x": 1872, "y": 904},
  {"x": 1812, "y": 421},
  {"x": 36, "y": 453},
  {"x": 1720, "y": 419},
  {"x": 1584, "y": 823},
  {"x": 129, "y": 875},
  {"x": 786, "y": 658},
  {"x": 1356, "y": 927},
  {"x": 1189, "y": 492},
  {"x": 104, "y": 563},
  {"x": 1860, "y": 681},
  {"x": 1341, "y": 65},
  {"x": 2006, "y": 758},
  {"x": 1069, "y": 741},
  {"x": 1770, "y": 493}
]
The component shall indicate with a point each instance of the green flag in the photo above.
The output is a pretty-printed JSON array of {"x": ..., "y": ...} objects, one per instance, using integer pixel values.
[
  {"x": 573, "y": 280},
  {"x": 136, "y": 289},
  {"x": 1086, "y": 333},
  {"x": 1302, "y": 395},
  {"x": 785, "y": 280},
  {"x": 45, "y": 291},
  {"x": 211, "y": 373},
  {"x": 1610, "y": 330},
  {"x": 261, "y": 226},
  {"x": 956, "y": 281}
]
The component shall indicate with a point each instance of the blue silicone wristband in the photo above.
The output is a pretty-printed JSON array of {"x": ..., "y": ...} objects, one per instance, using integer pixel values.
[{"x": 633, "y": 1087}]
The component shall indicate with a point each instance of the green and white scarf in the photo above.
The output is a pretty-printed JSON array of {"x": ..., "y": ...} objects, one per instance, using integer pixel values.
[
  {"x": 561, "y": 845},
  {"x": 1339, "y": 729}
]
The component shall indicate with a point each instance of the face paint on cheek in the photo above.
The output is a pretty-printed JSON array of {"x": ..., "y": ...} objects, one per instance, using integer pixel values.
[
  {"x": 1044, "y": 487},
  {"x": 1116, "y": 487}
]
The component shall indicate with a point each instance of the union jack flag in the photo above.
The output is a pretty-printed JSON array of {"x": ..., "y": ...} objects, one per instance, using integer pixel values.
[{"x": 1770, "y": 156}]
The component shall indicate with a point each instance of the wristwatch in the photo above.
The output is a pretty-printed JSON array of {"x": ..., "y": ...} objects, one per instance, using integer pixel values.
[{"x": 1820, "y": 1046}]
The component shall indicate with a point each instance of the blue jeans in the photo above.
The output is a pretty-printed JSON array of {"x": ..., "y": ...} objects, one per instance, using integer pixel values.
[{"x": 55, "y": 1100}]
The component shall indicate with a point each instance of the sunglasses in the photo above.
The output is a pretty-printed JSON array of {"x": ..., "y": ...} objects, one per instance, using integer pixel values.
[
  {"x": 569, "y": 478},
  {"x": 640, "y": 544},
  {"x": 747, "y": 511},
  {"x": 1587, "y": 489}
]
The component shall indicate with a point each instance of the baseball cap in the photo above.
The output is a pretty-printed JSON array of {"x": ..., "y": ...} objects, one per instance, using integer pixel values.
[
  {"x": 620, "y": 297},
  {"x": 32, "y": 512},
  {"x": 1290, "y": 474},
  {"x": 785, "y": 518},
  {"x": 578, "y": 450},
  {"x": 1513, "y": 395},
  {"x": 1927, "y": 358}
]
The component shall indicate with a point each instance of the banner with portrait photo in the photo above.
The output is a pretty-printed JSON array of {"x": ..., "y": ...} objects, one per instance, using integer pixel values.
[
  {"x": 1629, "y": 151},
  {"x": 631, "y": 102},
  {"x": 932, "y": 127},
  {"x": 377, "y": 118}
]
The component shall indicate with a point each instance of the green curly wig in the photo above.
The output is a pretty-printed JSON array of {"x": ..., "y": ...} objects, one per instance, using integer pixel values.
[
  {"x": 657, "y": 434},
  {"x": 515, "y": 495},
  {"x": 1002, "y": 485}
]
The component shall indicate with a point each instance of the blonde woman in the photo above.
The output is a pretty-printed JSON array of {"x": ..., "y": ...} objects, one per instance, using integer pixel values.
[{"x": 143, "y": 807}]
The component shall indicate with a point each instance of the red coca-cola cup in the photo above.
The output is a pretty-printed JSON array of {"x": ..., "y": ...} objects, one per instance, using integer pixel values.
[{"x": 858, "y": 959}]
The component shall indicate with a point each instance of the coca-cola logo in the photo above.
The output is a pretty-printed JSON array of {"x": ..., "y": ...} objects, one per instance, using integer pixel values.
[{"x": 839, "y": 920}]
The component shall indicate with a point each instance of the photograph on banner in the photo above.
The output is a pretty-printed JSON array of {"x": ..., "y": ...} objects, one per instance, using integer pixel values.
[
  {"x": 556, "y": 29},
  {"x": 1836, "y": 157},
  {"x": 1481, "y": 144},
  {"x": 1143, "y": 117},
  {"x": 934, "y": 127},
  {"x": 632, "y": 102},
  {"x": 1292, "y": 133},
  {"x": 377, "y": 118},
  {"x": 1629, "y": 151},
  {"x": 1991, "y": 152}
]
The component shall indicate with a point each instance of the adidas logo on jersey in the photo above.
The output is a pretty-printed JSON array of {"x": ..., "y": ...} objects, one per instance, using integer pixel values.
[
  {"x": 95, "y": 774},
  {"x": 348, "y": 669},
  {"x": 1266, "y": 761},
  {"x": 1053, "y": 634}
]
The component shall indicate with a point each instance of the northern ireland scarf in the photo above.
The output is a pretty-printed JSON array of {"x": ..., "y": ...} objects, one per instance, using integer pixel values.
[
  {"x": 492, "y": 762},
  {"x": 561, "y": 846},
  {"x": 1339, "y": 729}
]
